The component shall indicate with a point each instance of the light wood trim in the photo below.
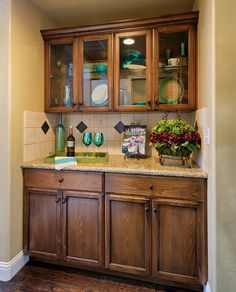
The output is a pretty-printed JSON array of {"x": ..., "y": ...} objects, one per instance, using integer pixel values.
[{"x": 116, "y": 26}]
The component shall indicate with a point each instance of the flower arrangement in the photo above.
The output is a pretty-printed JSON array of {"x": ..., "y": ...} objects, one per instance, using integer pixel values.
[{"x": 175, "y": 138}]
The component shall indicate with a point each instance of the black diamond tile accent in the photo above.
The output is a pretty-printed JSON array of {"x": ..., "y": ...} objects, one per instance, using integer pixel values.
[
  {"x": 119, "y": 127},
  {"x": 81, "y": 127},
  {"x": 45, "y": 127}
]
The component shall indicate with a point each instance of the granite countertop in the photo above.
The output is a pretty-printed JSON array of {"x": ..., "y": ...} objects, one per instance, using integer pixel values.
[{"x": 117, "y": 164}]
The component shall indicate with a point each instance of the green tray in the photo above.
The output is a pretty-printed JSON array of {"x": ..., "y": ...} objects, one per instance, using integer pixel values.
[{"x": 81, "y": 157}]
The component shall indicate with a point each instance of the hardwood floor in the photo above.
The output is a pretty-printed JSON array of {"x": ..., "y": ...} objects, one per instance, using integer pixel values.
[{"x": 42, "y": 277}]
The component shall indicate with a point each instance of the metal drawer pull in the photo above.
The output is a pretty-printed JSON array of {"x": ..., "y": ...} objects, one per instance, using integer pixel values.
[
  {"x": 147, "y": 209},
  {"x": 58, "y": 199},
  {"x": 151, "y": 187},
  {"x": 155, "y": 210},
  {"x": 60, "y": 180},
  {"x": 64, "y": 200}
]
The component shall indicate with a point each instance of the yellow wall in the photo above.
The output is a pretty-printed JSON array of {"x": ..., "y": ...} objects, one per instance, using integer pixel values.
[
  {"x": 205, "y": 115},
  {"x": 226, "y": 144},
  {"x": 27, "y": 50},
  {"x": 4, "y": 131}
]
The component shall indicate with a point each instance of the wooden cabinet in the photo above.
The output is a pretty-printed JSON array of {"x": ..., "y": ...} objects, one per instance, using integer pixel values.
[
  {"x": 61, "y": 75},
  {"x": 62, "y": 224},
  {"x": 153, "y": 59},
  {"x": 145, "y": 227},
  {"x": 42, "y": 223},
  {"x": 128, "y": 234},
  {"x": 82, "y": 215},
  {"x": 133, "y": 69},
  {"x": 170, "y": 214},
  {"x": 177, "y": 240},
  {"x": 174, "y": 67}
]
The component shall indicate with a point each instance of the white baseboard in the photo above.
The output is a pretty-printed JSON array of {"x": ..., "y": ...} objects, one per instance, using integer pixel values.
[
  {"x": 207, "y": 288},
  {"x": 9, "y": 269}
]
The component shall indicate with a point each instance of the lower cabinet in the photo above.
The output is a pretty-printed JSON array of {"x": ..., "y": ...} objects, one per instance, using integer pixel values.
[
  {"x": 61, "y": 224},
  {"x": 42, "y": 223},
  {"x": 128, "y": 235},
  {"x": 146, "y": 227},
  {"x": 82, "y": 217},
  {"x": 177, "y": 240}
]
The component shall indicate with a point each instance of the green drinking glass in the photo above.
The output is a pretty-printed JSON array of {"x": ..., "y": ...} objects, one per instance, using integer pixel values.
[
  {"x": 87, "y": 138},
  {"x": 98, "y": 139}
]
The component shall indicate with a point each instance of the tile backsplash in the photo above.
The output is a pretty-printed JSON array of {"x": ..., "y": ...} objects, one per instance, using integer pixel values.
[
  {"x": 37, "y": 144},
  {"x": 105, "y": 122}
]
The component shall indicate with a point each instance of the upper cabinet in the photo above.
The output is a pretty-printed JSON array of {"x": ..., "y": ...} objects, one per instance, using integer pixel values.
[
  {"x": 137, "y": 65},
  {"x": 133, "y": 71},
  {"x": 174, "y": 67},
  {"x": 60, "y": 78},
  {"x": 95, "y": 81}
]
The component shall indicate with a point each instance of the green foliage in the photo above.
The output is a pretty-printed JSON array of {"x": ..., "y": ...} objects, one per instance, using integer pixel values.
[{"x": 173, "y": 126}]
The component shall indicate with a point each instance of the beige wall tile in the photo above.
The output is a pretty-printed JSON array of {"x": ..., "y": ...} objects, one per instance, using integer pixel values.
[
  {"x": 113, "y": 135},
  {"x": 29, "y": 152},
  {"x": 114, "y": 147},
  {"x": 88, "y": 119},
  {"x": 49, "y": 147},
  {"x": 50, "y": 135},
  {"x": 40, "y": 150},
  {"x": 113, "y": 119},
  {"x": 127, "y": 119},
  {"x": 141, "y": 118},
  {"x": 29, "y": 136},
  {"x": 40, "y": 136},
  {"x": 100, "y": 121}
]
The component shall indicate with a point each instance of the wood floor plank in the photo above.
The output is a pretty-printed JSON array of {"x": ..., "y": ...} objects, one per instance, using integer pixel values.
[{"x": 40, "y": 277}]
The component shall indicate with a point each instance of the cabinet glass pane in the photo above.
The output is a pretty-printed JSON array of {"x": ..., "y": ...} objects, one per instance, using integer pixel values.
[
  {"x": 95, "y": 73},
  {"x": 173, "y": 68},
  {"x": 133, "y": 71},
  {"x": 61, "y": 75}
]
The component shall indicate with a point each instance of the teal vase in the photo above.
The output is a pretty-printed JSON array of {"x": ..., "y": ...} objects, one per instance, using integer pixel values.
[{"x": 60, "y": 136}]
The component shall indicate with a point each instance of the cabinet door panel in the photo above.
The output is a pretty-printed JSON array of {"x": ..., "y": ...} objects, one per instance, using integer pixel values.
[
  {"x": 174, "y": 67},
  {"x": 83, "y": 228},
  {"x": 96, "y": 73},
  {"x": 127, "y": 234},
  {"x": 43, "y": 224},
  {"x": 176, "y": 240},
  {"x": 60, "y": 75}
]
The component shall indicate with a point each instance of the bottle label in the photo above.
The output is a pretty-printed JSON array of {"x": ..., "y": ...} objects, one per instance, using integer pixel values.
[{"x": 70, "y": 144}]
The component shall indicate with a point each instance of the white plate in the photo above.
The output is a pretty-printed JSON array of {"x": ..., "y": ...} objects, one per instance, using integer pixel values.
[{"x": 99, "y": 95}]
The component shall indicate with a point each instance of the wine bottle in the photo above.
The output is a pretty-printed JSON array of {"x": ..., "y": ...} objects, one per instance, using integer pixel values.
[
  {"x": 70, "y": 143},
  {"x": 60, "y": 136}
]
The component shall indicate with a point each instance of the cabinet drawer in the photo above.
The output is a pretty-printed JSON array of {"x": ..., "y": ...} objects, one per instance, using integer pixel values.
[
  {"x": 169, "y": 187},
  {"x": 66, "y": 180}
]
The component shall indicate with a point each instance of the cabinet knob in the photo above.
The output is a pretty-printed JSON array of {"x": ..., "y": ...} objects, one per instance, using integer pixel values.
[
  {"x": 80, "y": 103},
  {"x": 151, "y": 187},
  {"x": 147, "y": 209},
  {"x": 64, "y": 199},
  {"x": 60, "y": 180},
  {"x": 149, "y": 102},
  {"x": 155, "y": 210},
  {"x": 156, "y": 102},
  {"x": 58, "y": 199}
]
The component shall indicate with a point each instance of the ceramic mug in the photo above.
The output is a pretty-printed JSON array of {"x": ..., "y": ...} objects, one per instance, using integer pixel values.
[{"x": 173, "y": 61}]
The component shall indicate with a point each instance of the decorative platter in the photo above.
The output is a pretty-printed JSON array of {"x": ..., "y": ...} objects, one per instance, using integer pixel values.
[
  {"x": 99, "y": 95},
  {"x": 171, "y": 90}
]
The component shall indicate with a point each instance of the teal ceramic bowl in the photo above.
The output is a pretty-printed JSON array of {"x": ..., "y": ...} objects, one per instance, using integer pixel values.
[{"x": 101, "y": 68}]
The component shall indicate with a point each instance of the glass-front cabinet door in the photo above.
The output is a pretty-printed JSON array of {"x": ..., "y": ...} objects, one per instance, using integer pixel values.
[
  {"x": 174, "y": 67},
  {"x": 60, "y": 85},
  {"x": 96, "y": 73},
  {"x": 132, "y": 78}
]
